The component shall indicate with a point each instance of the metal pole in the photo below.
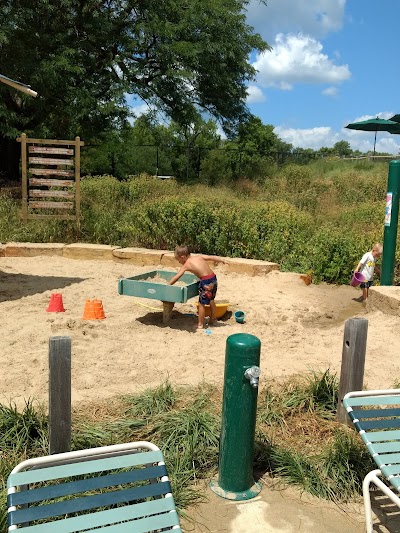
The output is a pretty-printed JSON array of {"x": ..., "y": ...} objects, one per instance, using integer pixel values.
[
  {"x": 236, "y": 453},
  {"x": 391, "y": 220}
]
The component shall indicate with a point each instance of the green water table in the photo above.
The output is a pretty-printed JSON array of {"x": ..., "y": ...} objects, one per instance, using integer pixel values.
[{"x": 142, "y": 286}]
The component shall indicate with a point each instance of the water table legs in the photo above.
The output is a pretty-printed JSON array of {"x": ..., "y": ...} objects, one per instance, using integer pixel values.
[{"x": 167, "y": 311}]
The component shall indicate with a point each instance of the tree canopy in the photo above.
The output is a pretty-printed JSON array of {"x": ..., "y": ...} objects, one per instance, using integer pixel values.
[{"x": 84, "y": 56}]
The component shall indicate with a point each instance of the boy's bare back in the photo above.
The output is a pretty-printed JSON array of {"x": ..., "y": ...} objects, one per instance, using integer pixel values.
[{"x": 198, "y": 266}]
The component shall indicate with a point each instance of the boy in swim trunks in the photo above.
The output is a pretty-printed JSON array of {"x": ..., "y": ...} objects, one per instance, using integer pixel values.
[{"x": 197, "y": 264}]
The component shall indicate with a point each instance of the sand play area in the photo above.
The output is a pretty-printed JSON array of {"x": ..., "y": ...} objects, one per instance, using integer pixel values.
[{"x": 300, "y": 327}]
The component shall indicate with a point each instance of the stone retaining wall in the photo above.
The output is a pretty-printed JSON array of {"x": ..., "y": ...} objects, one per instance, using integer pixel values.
[{"x": 137, "y": 256}]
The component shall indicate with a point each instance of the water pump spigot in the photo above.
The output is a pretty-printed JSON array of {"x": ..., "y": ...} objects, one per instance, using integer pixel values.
[{"x": 253, "y": 374}]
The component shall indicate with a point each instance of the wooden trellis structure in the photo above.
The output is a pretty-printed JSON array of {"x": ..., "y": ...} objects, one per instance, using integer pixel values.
[{"x": 50, "y": 178}]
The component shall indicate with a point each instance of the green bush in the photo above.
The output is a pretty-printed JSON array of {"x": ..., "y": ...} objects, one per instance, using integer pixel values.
[{"x": 318, "y": 218}]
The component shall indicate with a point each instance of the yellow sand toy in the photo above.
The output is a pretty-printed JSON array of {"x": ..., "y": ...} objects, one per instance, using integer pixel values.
[{"x": 222, "y": 308}]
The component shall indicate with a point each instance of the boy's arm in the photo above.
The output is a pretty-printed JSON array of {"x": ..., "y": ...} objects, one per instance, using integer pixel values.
[
  {"x": 215, "y": 258},
  {"x": 177, "y": 276}
]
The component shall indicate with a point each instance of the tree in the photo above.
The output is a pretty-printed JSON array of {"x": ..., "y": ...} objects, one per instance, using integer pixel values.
[
  {"x": 342, "y": 148},
  {"x": 255, "y": 142},
  {"x": 84, "y": 56}
]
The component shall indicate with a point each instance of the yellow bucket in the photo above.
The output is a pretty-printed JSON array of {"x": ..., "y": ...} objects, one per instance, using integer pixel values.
[{"x": 222, "y": 308}]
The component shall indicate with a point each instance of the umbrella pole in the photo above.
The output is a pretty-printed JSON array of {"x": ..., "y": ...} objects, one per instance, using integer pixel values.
[{"x": 375, "y": 142}]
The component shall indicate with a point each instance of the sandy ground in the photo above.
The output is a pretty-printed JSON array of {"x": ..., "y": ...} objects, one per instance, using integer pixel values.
[{"x": 300, "y": 328}]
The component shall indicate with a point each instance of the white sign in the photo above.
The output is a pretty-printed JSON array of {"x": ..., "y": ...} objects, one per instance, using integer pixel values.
[{"x": 388, "y": 210}]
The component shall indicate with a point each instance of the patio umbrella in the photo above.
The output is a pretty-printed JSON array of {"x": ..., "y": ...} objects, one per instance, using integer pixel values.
[
  {"x": 375, "y": 124},
  {"x": 395, "y": 118}
]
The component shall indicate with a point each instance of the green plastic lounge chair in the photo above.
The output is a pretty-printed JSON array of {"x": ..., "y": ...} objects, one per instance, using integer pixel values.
[
  {"x": 121, "y": 488},
  {"x": 376, "y": 416}
]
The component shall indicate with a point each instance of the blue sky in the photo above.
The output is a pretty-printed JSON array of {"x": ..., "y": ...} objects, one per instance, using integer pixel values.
[{"x": 332, "y": 62}]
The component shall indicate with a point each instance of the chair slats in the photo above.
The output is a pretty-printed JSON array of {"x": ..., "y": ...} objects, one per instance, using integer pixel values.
[
  {"x": 113, "y": 517},
  {"x": 390, "y": 470},
  {"x": 384, "y": 447},
  {"x": 378, "y": 400},
  {"x": 376, "y": 413},
  {"x": 382, "y": 423},
  {"x": 88, "y": 467},
  {"x": 382, "y": 436},
  {"x": 389, "y": 458},
  {"x": 115, "y": 488},
  {"x": 84, "y": 485},
  {"x": 379, "y": 427},
  {"x": 88, "y": 503}
]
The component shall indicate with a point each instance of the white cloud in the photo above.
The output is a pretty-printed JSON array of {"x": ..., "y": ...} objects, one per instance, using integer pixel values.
[
  {"x": 317, "y": 137},
  {"x": 308, "y": 138},
  {"x": 255, "y": 95},
  {"x": 297, "y": 59},
  {"x": 314, "y": 17},
  {"x": 330, "y": 91},
  {"x": 139, "y": 110}
]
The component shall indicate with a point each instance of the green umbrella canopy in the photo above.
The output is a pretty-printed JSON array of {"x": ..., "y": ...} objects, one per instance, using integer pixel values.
[
  {"x": 395, "y": 118},
  {"x": 375, "y": 124}
]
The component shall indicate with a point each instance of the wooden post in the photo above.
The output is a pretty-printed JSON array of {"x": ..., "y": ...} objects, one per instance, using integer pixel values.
[
  {"x": 353, "y": 361},
  {"x": 167, "y": 311},
  {"x": 60, "y": 394},
  {"x": 77, "y": 180},
  {"x": 24, "y": 179}
]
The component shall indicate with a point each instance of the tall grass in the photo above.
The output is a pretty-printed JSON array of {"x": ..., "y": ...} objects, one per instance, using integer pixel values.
[
  {"x": 318, "y": 218},
  {"x": 315, "y": 392},
  {"x": 186, "y": 425},
  {"x": 152, "y": 401}
]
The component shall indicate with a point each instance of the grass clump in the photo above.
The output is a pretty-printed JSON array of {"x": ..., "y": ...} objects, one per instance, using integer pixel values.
[
  {"x": 23, "y": 432},
  {"x": 317, "y": 392},
  {"x": 297, "y": 439},
  {"x": 152, "y": 401},
  {"x": 335, "y": 474}
]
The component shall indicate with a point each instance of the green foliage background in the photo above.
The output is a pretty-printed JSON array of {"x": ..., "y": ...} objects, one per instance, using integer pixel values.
[{"x": 318, "y": 218}]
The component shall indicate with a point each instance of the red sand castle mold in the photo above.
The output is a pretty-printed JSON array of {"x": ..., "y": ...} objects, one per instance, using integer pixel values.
[{"x": 56, "y": 304}]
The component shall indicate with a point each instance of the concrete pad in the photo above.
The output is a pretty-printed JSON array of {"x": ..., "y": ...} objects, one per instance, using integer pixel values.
[
  {"x": 89, "y": 251},
  {"x": 138, "y": 256},
  {"x": 275, "y": 510},
  {"x": 32, "y": 249},
  {"x": 385, "y": 299}
]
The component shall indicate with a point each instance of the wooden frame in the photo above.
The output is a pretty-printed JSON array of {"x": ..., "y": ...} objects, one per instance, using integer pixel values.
[{"x": 41, "y": 167}]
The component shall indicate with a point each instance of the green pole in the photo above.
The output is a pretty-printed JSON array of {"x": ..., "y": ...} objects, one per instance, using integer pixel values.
[
  {"x": 391, "y": 219},
  {"x": 239, "y": 407}
]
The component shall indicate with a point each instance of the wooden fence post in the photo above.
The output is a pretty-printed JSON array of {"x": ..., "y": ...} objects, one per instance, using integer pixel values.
[
  {"x": 24, "y": 179},
  {"x": 353, "y": 361},
  {"x": 60, "y": 394}
]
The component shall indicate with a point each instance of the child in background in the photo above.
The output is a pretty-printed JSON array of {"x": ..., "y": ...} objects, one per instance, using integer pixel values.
[
  {"x": 197, "y": 264},
  {"x": 367, "y": 267}
]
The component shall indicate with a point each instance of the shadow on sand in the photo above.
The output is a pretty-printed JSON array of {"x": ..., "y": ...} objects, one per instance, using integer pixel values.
[
  {"x": 181, "y": 321},
  {"x": 16, "y": 286}
]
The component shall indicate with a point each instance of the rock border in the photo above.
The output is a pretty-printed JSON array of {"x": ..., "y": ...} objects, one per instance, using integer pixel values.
[{"x": 137, "y": 256}]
